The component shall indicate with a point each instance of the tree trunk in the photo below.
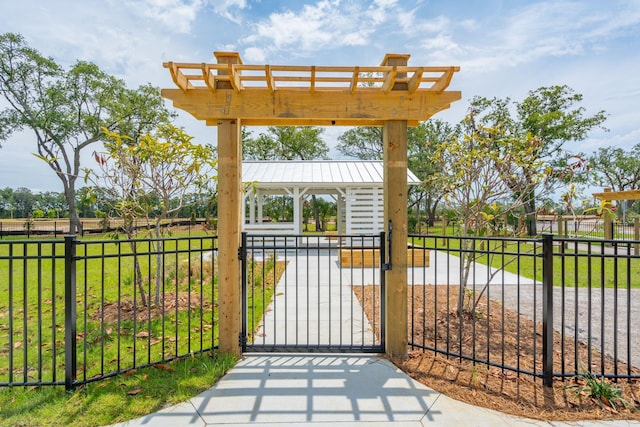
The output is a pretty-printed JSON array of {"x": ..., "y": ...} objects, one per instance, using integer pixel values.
[
  {"x": 75, "y": 225},
  {"x": 530, "y": 211}
]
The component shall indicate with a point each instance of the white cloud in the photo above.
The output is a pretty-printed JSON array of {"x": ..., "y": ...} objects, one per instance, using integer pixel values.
[
  {"x": 254, "y": 55},
  {"x": 175, "y": 15},
  {"x": 324, "y": 24},
  {"x": 227, "y": 8}
]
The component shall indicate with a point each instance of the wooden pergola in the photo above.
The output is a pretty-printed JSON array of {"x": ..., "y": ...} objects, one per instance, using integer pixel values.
[{"x": 230, "y": 94}]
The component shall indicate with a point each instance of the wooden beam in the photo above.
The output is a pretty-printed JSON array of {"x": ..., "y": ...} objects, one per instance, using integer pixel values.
[
  {"x": 291, "y": 121},
  {"x": 416, "y": 79},
  {"x": 444, "y": 81},
  {"x": 269, "y": 78},
  {"x": 618, "y": 195},
  {"x": 295, "y": 105},
  {"x": 354, "y": 80},
  {"x": 179, "y": 78},
  {"x": 209, "y": 79},
  {"x": 229, "y": 234},
  {"x": 389, "y": 80}
]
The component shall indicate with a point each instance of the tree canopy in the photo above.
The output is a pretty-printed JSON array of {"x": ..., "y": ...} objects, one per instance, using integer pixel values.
[
  {"x": 67, "y": 110},
  {"x": 616, "y": 168},
  {"x": 546, "y": 119},
  {"x": 286, "y": 143}
]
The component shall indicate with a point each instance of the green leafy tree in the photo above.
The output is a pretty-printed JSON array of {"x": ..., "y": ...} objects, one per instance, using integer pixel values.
[
  {"x": 67, "y": 109},
  {"x": 478, "y": 164},
  {"x": 616, "y": 168},
  {"x": 549, "y": 117}
]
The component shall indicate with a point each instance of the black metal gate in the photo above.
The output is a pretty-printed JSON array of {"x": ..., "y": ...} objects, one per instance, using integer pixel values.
[{"x": 313, "y": 293}]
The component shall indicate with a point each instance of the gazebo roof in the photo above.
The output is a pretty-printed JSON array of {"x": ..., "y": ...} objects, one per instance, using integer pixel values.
[{"x": 317, "y": 173}]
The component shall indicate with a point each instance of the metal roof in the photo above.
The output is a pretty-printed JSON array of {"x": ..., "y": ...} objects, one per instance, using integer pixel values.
[{"x": 317, "y": 173}]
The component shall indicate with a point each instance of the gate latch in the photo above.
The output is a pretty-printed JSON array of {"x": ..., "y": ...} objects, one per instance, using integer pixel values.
[{"x": 387, "y": 265}]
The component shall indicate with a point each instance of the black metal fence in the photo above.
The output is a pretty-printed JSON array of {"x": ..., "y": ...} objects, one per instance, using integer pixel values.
[
  {"x": 550, "y": 307},
  {"x": 76, "y": 311}
]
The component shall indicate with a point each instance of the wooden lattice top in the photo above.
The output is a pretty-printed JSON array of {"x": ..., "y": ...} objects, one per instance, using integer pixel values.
[
  {"x": 312, "y": 94},
  {"x": 188, "y": 76}
]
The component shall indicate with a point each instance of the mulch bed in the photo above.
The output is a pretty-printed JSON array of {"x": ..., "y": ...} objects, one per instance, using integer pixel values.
[{"x": 488, "y": 330}]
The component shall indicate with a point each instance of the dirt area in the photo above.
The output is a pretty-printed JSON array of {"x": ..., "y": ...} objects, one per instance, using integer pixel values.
[
  {"x": 494, "y": 388},
  {"x": 127, "y": 311}
]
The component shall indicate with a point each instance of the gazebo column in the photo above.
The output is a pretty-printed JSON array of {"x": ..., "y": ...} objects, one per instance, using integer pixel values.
[
  {"x": 229, "y": 234},
  {"x": 297, "y": 211},
  {"x": 251, "y": 197}
]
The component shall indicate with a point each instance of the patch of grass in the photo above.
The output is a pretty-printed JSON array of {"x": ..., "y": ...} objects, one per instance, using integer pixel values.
[
  {"x": 599, "y": 389},
  {"x": 117, "y": 399}
]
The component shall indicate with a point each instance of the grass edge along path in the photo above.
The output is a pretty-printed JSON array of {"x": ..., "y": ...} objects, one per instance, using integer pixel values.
[{"x": 116, "y": 399}]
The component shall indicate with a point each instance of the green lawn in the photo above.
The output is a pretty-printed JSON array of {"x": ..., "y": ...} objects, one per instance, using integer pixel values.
[
  {"x": 116, "y": 399},
  {"x": 115, "y": 332}
]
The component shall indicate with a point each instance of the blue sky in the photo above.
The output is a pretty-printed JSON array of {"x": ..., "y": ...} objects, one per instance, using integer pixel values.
[{"x": 504, "y": 48}]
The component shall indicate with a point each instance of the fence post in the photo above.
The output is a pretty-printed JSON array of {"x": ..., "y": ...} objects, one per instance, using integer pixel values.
[
  {"x": 547, "y": 309},
  {"x": 636, "y": 236},
  {"x": 70, "y": 356}
]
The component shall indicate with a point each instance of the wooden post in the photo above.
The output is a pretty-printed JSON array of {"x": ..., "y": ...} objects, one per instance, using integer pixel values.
[
  {"x": 394, "y": 141},
  {"x": 395, "y": 209},
  {"x": 229, "y": 234},
  {"x": 560, "y": 220},
  {"x": 230, "y": 218}
]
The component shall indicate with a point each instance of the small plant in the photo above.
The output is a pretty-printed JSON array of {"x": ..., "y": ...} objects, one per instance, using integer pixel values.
[{"x": 599, "y": 389}]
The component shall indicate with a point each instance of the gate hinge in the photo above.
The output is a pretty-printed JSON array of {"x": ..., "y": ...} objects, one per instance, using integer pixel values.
[
  {"x": 242, "y": 340},
  {"x": 242, "y": 253}
]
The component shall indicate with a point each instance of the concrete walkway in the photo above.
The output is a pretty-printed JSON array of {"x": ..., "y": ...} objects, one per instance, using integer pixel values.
[{"x": 330, "y": 389}]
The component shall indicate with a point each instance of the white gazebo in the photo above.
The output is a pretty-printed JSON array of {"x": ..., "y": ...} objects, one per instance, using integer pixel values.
[{"x": 355, "y": 185}]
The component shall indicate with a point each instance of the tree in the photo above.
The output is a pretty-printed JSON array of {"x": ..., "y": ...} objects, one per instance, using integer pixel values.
[
  {"x": 67, "y": 109},
  {"x": 288, "y": 143},
  {"x": 152, "y": 179},
  {"x": 550, "y": 117},
  {"x": 479, "y": 165},
  {"x": 422, "y": 141},
  {"x": 616, "y": 168},
  {"x": 363, "y": 143}
]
